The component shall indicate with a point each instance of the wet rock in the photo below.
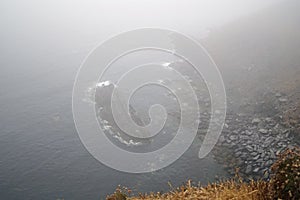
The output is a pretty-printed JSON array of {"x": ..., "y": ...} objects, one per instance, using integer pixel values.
[
  {"x": 217, "y": 112},
  {"x": 222, "y": 139},
  {"x": 282, "y": 100},
  {"x": 259, "y": 150},
  {"x": 255, "y": 142},
  {"x": 256, "y": 170},
  {"x": 278, "y": 152},
  {"x": 243, "y": 156},
  {"x": 248, "y": 169},
  {"x": 268, "y": 141},
  {"x": 266, "y": 158},
  {"x": 277, "y": 94},
  {"x": 268, "y": 120},
  {"x": 244, "y": 137},
  {"x": 247, "y": 132},
  {"x": 256, "y": 121},
  {"x": 268, "y": 163},
  {"x": 287, "y": 134},
  {"x": 240, "y": 162},
  {"x": 263, "y": 131},
  {"x": 256, "y": 157},
  {"x": 236, "y": 150},
  {"x": 238, "y": 153},
  {"x": 233, "y": 137},
  {"x": 254, "y": 153},
  {"x": 228, "y": 141},
  {"x": 249, "y": 148}
]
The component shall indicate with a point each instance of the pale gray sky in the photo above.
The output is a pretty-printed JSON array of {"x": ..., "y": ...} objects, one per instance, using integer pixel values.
[
  {"x": 121, "y": 15},
  {"x": 70, "y": 22}
]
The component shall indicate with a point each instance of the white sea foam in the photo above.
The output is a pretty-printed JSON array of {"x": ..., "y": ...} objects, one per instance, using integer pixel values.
[
  {"x": 166, "y": 64},
  {"x": 103, "y": 84},
  {"x": 128, "y": 143}
]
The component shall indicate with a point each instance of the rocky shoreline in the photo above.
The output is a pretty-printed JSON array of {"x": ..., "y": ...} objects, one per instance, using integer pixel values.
[{"x": 252, "y": 144}]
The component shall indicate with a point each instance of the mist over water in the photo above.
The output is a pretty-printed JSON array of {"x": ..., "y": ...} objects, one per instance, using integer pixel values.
[{"x": 43, "y": 44}]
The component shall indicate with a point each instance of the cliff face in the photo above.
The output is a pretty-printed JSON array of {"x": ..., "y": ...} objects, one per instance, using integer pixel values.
[
  {"x": 260, "y": 54},
  {"x": 259, "y": 58},
  {"x": 261, "y": 50}
]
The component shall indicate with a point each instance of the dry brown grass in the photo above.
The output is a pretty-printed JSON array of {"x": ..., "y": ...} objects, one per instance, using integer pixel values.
[
  {"x": 220, "y": 191},
  {"x": 284, "y": 184},
  {"x": 286, "y": 179},
  {"x": 232, "y": 189}
]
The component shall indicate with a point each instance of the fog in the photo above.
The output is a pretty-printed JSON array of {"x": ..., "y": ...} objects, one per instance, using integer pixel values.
[
  {"x": 254, "y": 43},
  {"x": 68, "y": 24}
]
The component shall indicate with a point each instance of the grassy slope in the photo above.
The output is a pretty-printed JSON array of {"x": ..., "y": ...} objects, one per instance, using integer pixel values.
[{"x": 267, "y": 42}]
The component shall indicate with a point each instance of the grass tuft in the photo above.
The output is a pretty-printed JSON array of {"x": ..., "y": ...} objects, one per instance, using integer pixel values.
[{"x": 284, "y": 184}]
